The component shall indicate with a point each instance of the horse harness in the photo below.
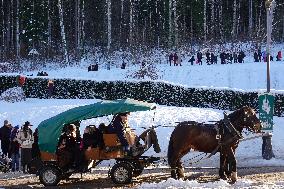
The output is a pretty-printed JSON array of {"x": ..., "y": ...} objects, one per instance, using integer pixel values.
[
  {"x": 220, "y": 135},
  {"x": 221, "y": 132}
]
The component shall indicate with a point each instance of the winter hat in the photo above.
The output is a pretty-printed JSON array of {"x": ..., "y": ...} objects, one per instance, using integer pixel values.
[
  {"x": 27, "y": 123},
  {"x": 6, "y": 122},
  {"x": 14, "y": 132}
]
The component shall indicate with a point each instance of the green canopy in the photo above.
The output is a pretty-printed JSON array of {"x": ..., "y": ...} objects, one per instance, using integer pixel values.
[{"x": 50, "y": 130}]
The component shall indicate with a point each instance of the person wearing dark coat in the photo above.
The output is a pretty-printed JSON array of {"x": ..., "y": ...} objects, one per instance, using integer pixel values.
[
  {"x": 69, "y": 142},
  {"x": 123, "y": 65},
  {"x": 223, "y": 57},
  {"x": 14, "y": 149},
  {"x": 207, "y": 54},
  {"x": 119, "y": 126},
  {"x": 255, "y": 56},
  {"x": 235, "y": 56},
  {"x": 191, "y": 60},
  {"x": 199, "y": 58},
  {"x": 90, "y": 137},
  {"x": 171, "y": 57},
  {"x": 5, "y": 132},
  {"x": 259, "y": 54},
  {"x": 35, "y": 147}
]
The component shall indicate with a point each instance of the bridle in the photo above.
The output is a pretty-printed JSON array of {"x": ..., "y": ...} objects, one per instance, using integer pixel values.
[{"x": 252, "y": 125}]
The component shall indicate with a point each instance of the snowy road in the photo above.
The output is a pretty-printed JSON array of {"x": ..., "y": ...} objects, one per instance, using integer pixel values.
[{"x": 262, "y": 177}]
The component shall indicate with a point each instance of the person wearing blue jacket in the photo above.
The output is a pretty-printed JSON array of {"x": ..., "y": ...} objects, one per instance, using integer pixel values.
[{"x": 120, "y": 126}]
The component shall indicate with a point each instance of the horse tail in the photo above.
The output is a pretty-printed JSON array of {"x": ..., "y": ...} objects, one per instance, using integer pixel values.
[{"x": 170, "y": 152}]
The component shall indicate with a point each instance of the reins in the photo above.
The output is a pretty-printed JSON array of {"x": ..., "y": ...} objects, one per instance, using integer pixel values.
[{"x": 236, "y": 137}]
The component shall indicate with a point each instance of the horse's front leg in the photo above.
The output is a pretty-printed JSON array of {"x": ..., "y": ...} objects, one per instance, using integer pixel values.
[
  {"x": 223, "y": 165},
  {"x": 233, "y": 165}
]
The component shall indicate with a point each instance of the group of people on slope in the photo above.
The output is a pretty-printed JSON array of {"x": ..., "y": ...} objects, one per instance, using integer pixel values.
[
  {"x": 262, "y": 56},
  {"x": 175, "y": 59},
  {"x": 18, "y": 143},
  {"x": 72, "y": 145}
]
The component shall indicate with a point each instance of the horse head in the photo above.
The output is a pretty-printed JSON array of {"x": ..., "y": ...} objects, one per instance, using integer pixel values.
[{"x": 246, "y": 118}]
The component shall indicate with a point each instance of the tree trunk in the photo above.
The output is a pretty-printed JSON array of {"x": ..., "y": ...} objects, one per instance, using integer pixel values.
[
  {"x": 213, "y": 21},
  {"x": 205, "y": 20},
  {"x": 3, "y": 45},
  {"x": 250, "y": 18},
  {"x": 63, "y": 36},
  {"x": 83, "y": 28},
  {"x": 108, "y": 25},
  {"x": 77, "y": 29},
  {"x": 220, "y": 7},
  {"x": 170, "y": 24},
  {"x": 259, "y": 20},
  {"x": 48, "y": 29},
  {"x": 239, "y": 18},
  {"x": 8, "y": 34},
  {"x": 175, "y": 22},
  {"x": 12, "y": 26},
  {"x": 234, "y": 19},
  {"x": 131, "y": 24},
  {"x": 18, "y": 33},
  {"x": 283, "y": 28},
  {"x": 121, "y": 21}
]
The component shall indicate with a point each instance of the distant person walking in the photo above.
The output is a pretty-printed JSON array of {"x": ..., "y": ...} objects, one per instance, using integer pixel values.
[
  {"x": 5, "y": 132},
  {"x": 50, "y": 88}
]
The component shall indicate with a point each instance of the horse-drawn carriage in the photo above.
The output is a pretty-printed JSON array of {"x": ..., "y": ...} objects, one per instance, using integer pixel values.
[{"x": 50, "y": 167}]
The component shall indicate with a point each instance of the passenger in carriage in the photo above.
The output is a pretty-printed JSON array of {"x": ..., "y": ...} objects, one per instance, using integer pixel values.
[
  {"x": 69, "y": 142},
  {"x": 90, "y": 137},
  {"x": 128, "y": 139}
]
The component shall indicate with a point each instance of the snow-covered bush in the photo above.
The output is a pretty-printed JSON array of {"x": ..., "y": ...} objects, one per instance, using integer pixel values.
[{"x": 14, "y": 94}]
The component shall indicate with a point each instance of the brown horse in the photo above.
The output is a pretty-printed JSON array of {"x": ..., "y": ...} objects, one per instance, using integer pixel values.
[{"x": 223, "y": 137}]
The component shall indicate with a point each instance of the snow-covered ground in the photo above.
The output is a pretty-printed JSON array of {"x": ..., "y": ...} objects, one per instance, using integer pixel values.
[{"x": 248, "y": 76}]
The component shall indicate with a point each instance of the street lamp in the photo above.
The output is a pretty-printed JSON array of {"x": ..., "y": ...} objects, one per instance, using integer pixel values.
[{"x": 267, "y": 152}]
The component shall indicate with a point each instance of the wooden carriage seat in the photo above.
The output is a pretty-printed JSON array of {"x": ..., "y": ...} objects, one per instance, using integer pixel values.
[{"x": 111, "y": 150}]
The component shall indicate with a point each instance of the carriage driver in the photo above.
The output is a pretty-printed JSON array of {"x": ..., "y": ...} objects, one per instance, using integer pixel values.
[{"x": 128, "y": 139}]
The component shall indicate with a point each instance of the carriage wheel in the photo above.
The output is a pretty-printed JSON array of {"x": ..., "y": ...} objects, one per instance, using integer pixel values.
[
  {"x": 137, "y": 172},
  {"x": 121, "y": 173},
  {"x": 49, "y": 176}
]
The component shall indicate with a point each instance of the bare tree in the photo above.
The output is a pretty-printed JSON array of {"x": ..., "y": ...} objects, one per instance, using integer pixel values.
[
  {"x": 121, "y": 20},
  {"x": 48, "y": 29},
  {"x": 77, "y": 29},
  {"x": 63, "y": 36},
  {"x": 3, "y": 49},
  {"x": 131, "y": 24},
  {"x": 83, "y": 35},
  {"x": 108, "y": 24},
  {"x": 239, "y": 18},
  {"x": 18, "y": 32},
  {"x": 170, "y": 24},
  {"x": 234, "y": 19},
  {"x": 250, "y": 18},
  {"x": 205, "y": 20},
  {"x": 220, "y": 7},
  {"x": 175, "y": 23}
]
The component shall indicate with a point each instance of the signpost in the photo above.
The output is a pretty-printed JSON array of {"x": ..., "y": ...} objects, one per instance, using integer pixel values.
[
  {"x": 266, "y": 108},
  {"x": 266, "y": 101}
]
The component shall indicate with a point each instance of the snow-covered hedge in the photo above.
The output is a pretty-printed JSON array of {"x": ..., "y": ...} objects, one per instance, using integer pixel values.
[
  {"x": 158, "y": 92},
  {"x": 14, "y": 94}
]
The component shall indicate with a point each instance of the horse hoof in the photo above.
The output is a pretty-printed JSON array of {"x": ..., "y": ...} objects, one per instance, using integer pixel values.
[
  {"x": 234, "y": 177},
  {"x": 173, "y": 174},
  {"x": 223, "y": 177}
]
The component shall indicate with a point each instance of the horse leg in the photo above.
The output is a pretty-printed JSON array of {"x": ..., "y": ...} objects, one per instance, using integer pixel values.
[
  {"x": 180, "y": 171},
  {"x": 223, "y": 158},
  {"x": 233, "y": 163}
]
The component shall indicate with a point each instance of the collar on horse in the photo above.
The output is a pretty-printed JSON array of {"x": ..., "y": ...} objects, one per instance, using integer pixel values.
[{"x": 232, "y": 130}]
